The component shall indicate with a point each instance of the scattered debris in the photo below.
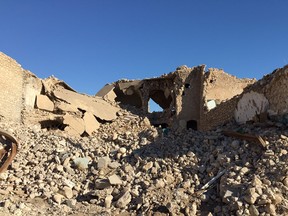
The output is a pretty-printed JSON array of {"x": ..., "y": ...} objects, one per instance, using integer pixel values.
[{"x": 251, "y": 138}]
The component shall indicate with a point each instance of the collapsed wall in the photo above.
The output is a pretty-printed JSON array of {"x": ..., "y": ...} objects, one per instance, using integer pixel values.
[
  {"x": 219, "y": 86},
  {"x": 258, "y": 102},
  {"x": 51, "y": 102}
]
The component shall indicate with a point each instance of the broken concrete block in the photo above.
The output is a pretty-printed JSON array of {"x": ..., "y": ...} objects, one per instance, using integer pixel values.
[
  {"x": 91, "y": 123},
  {"x": 44, "y": 103},
  {"x": 124, "y": 200},
  {"x": 103, "y": 162},
  {"x": 97, "y": 106},
  {"x": 67, "y": 107},
  {"x": 115, "y": 180},
  {"x": 75, "y": 125},
  {"x": 107, "y": 92}
]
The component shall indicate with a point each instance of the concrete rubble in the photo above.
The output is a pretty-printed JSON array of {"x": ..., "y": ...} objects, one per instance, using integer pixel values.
[{"x": 108, "y": 155}]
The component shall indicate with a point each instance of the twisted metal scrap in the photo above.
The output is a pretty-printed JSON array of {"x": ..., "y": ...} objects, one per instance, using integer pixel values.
[{"x": 4, "y": 152}]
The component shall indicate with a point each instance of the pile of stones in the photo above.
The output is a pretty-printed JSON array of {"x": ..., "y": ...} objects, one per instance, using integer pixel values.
[{"x": 129, "y": 167}]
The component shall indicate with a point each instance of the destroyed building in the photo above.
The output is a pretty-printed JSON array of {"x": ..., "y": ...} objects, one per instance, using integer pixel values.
[
  {"x": 127, "y": 166},
  {"x": 185, "y": 95},
  {"x": 190, "y": 98}
]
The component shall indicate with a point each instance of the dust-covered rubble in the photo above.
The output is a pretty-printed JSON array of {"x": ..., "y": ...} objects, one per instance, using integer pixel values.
[{"x": 130, "y": 166}]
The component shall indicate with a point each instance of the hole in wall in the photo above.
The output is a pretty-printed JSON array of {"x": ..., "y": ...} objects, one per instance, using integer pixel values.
[{"x": 187, "y": 85}]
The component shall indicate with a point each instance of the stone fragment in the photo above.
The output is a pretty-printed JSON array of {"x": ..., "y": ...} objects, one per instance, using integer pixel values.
[
  {"x": 3, "y": 176},
  {"x": 7, "y": 204},
  {"x": 115, "y": 180},
  {"x": 244, "y": 170},
  {"x": 253, "y": 210},
  {"x": 122, "y": 150},
  {"x": 251, "y": 196},
  {"x": 124, "y": 200},
  {"x": 285, "y": 181},
  {"x": 148, "y": 166},
  {"x": 67, "y": 107},
  {"x": 227, "y": 196},
  {"x": 103, "y": 162},
  {"x": 68, "y": 193},
  {"x": 91, "y": 123},
  {"x": 271, "y": 209},
  {"x": 256, "y": 182},
  {"x": 44, "y": 103},
  {"x": 71, "y": 202},
  {"x": 114, "y": 165},
  {"x": 108, "y": 201},
  {"x": 75, "y": 126},
  {"x": 159, "y": 183},
  {"x": 81, "y": 163},
  {"x": 278, "y": 198},
  {"x": 58, "y": 198},
  {"x": 69, "y": 183}
]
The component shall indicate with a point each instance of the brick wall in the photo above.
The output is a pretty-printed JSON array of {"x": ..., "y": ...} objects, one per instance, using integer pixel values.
[
  {"x": 11, "y": 85},
  {"x": 223, "y": 113}
]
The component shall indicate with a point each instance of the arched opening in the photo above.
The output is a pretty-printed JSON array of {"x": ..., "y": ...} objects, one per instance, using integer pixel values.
[{"x": 158, "y": 101}]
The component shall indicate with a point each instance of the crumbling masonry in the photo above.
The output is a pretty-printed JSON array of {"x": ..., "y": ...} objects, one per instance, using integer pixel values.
[{"x": 190, "y": 98}]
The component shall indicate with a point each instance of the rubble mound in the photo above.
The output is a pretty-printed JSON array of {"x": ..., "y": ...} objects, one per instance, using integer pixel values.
[
  {"x": 206, "y": 153},
  {"x": 129, "y": 166}
]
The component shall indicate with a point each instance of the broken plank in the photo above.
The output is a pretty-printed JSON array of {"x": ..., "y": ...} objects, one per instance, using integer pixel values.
[{"x": 248, "y": 137}]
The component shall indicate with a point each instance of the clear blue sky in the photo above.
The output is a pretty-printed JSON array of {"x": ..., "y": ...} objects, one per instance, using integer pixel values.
[{"x": 89, "y": 43}]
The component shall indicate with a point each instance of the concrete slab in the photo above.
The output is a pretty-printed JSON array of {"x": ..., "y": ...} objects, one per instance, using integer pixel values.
[
  {"x": 67, "y": 107},
  {"x": 97, "y": 106},
  {"x": 44, "y": 103},
  {"x": 75, "y": 125},
  {"x": 91, "y": 123},
  {"x": 107, "y": 92}
]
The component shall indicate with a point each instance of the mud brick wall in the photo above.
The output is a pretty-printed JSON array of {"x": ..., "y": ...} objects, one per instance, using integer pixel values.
[
  {"x": 11, "y": 86},
  {"x": 223, "y": 113},
  {"x": 222, "y": 86}
]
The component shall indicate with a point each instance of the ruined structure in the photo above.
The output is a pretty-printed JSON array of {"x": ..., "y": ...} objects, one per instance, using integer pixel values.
[
  {"x": 184, "y": 95},
  {"x": 190, "y": 98},
  {"x": 22, "y": 94}
]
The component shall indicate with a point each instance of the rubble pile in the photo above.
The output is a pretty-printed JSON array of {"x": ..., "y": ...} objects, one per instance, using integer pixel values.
[
  {"x": 67, "y": 153},
  {"x": 129, "y": 166}
]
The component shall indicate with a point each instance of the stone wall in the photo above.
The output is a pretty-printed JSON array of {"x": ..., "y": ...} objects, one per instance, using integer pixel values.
[
  {"x": 268, "y": 96},
  {"x": 11, "y": 85}
]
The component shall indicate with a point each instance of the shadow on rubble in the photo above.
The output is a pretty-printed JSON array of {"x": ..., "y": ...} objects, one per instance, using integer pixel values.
[{"x": 191, "y": 153}]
